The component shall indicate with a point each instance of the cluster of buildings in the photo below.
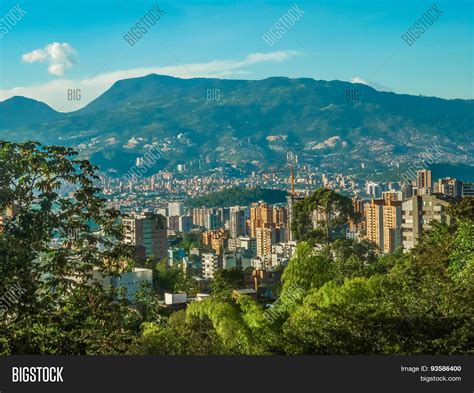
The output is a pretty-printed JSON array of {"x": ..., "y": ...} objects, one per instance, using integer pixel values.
[
  {"x": 255, "y": 237},
  {"x": 398, "y": 218}
]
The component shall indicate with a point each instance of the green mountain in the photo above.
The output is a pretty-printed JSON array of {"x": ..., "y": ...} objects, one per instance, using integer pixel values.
[{"x": 253, "y": 125}]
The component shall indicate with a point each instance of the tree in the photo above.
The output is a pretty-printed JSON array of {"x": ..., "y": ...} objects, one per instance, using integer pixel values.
[
  {"x": 226, "y": 280},
  {"x": 463, "y": 209},
  {"x": 319, "y": 218},
  {"x": 178, "y": 335},
  {"x": 226, "y": 318},
  {"x": 415, "y": 303},
  {"x": 191, "y": 240},
  {"x": 49, "y": 246}
]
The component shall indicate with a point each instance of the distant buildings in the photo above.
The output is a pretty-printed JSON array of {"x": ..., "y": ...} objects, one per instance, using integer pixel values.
[{"x": 390, "y": 214}]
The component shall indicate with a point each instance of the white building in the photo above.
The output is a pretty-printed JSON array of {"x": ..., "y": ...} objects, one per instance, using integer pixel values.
[
  {"x": 261, "y": 263},
  {"x": 248, "y": 243},
  {"x": 175, "y": 298},
  {"x": 175, "y": 209},
  {"x": 210, "y": 264},
  {"x": 286, "y": 249},
  {"x": 132, "y": 281}
]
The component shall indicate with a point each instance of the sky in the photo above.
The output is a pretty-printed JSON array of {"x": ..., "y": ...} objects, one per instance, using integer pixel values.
[{"x": 52, "y": 46}]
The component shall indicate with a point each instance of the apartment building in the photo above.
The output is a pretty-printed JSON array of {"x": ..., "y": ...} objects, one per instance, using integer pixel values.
[
  {"x": 392, "y": 226},
  {"x": 210, "y": 264},
  {"x": 419, "y": 212},
  {"x": 148, "y": 233},
  {"x": 374, "y": 222}
]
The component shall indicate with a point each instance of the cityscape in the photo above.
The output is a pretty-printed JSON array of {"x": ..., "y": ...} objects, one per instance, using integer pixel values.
[
  {"x": 257, "y": 237},
  {"x": 279, "y": 191}
]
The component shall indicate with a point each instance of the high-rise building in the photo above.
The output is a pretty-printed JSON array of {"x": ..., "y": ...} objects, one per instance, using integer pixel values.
[
  {"x": 185, "y": 223},
  {"x": 292, "y": 199},
  {"x": 392, "y": 196},
  {"x": 392, "y": 226},
  {"x": 175, "y": 209},
  {"x": 237, "y": 222},
  {"x": 418, "y": 213},
  {"x": 374, "y": 222},
  {"x": 424, "y": 182},
  {"x": 266, "y": 237},
  {"x": 260, "y": 214},
  {"x": 148, "y": 233},
  {"x": 448, "y": 186}
]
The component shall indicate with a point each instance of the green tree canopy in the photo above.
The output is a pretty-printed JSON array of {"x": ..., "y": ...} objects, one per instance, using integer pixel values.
[
  {"x": 49, "y": 248},
  {"x": 320, "y": 217}
]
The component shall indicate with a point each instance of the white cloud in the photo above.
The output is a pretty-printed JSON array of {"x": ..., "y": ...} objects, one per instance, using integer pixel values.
[
  {"x": 59, "y": 57},
  {"x": 375, "y": 85},
  {"x": 54, "y": 92}
]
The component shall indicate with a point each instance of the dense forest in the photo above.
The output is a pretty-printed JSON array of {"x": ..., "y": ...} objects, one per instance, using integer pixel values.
[
  {"x": 238, "y": 196},
  {"x": 337, "y": 296}
]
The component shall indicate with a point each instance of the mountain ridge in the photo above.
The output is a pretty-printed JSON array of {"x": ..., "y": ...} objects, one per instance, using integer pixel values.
[
  {"x": 14, "y": 109},
  {"x": 253, "y": 124}
]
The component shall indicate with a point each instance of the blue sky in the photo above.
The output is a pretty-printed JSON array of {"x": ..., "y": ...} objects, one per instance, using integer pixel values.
[{"x": 338, "y": 39}]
